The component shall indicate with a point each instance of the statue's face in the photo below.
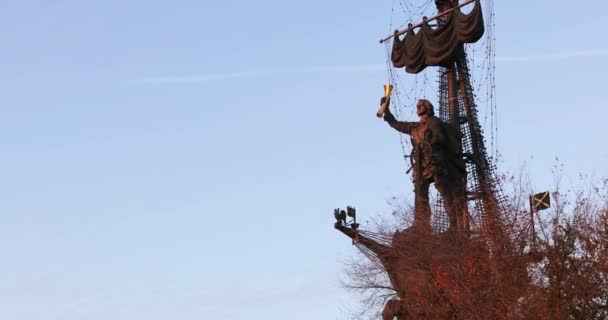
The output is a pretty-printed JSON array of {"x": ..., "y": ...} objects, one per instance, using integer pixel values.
[{"x": 422, "y": 108}]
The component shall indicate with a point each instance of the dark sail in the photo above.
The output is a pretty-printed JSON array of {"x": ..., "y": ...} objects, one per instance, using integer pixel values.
[{"x": 438, "y": 47}]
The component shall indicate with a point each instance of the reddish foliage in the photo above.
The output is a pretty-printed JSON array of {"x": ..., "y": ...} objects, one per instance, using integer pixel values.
[{"x": 560, "y": 273}]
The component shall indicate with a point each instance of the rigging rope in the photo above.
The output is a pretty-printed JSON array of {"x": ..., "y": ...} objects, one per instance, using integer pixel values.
[
  {"x": 409, "y": 88},
  {"x": 481, "y": 57}
]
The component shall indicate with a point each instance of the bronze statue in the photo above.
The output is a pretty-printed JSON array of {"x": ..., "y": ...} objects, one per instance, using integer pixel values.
[
  {"x": 436, "y": 157},
  {"x": 421, "y": 266}
]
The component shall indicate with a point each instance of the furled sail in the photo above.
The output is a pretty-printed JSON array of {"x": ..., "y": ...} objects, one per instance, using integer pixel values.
[{"x": 438, "y": 47}]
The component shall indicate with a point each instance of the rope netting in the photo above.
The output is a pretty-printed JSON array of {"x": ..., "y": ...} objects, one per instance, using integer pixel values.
[{"x": 432, "y": 84}]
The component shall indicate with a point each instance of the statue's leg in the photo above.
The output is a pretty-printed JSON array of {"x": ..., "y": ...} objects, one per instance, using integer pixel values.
[
  {"x": 459, "y": 208},
  {"x": 450, "y": 203},
  {"x": 463, "y": 210},
  {"x": 392, "y": 309},
  {"x": 455, "y": 190},
  {"x": 422, "y": 216},
  {"x": 452, "y": 210}
]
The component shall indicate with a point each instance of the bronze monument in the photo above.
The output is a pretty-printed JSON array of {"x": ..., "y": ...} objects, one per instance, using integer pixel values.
[
  {"x": 447, "y": 150},
  {"x": 436, "y": 157}
]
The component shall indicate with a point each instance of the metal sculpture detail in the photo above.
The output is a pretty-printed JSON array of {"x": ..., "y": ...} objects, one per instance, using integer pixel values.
[
  {"x": 436, "y": 157},
  {"x": 448, "y": 151}
]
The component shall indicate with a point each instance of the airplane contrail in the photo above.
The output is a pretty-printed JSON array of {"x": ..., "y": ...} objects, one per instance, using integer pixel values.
[
  {"x": 201, "y": 78},
  {"x": 553, "y": 56}
]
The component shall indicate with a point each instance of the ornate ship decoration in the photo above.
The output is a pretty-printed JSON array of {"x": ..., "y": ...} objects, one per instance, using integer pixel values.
[{"x": 448, "y": 149}]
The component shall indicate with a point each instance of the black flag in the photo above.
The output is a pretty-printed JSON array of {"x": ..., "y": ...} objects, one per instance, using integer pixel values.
[{"x": 540, "y": 201}]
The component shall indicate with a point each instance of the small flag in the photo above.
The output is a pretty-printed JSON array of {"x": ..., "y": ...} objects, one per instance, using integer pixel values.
[{"x": 540, "y": 201}]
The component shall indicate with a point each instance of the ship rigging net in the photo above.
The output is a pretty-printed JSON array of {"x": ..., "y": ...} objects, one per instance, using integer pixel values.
[{"x": 477, "y": 74}]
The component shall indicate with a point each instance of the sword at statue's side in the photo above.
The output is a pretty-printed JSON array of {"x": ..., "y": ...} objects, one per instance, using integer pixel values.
[{"x": 388, "y": 88}]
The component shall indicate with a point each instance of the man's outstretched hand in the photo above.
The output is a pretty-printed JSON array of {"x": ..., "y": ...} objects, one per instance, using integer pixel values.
[{"x": 388, "y": 116}]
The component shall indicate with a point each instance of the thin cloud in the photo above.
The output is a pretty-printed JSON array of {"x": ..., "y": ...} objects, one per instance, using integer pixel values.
[
  {"x": 554, "y": 56},
  {"x": 341, "y": 69},
  {"x": 191, "y": 79},
  {"x": 223, "y": 76},
  {"x": 199, "y": 78}
]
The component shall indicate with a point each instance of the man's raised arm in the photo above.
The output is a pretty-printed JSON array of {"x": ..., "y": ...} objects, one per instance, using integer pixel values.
[{"x": 401, "y": 126}]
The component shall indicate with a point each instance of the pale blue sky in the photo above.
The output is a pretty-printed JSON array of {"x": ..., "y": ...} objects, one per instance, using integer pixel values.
[{"x": 181, "y": 159}]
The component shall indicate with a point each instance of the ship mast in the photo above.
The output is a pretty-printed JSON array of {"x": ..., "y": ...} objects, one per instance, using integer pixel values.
[
  {"x": 448, "y": 151},
  {"x": 443, "y": 47}
]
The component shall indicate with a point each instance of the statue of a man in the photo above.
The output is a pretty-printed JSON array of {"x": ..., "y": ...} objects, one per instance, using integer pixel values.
[{"x": 436, "y": 157}]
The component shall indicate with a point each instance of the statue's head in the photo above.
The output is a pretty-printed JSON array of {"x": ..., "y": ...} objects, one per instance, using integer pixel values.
[{"x": 425, "y": 108}]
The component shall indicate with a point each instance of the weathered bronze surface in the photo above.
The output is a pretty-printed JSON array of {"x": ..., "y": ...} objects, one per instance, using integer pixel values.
[
  {"x": 436, "y": 157},
  {"x": 448, "y": 151},
  {"x": 438, "y": 46}
]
